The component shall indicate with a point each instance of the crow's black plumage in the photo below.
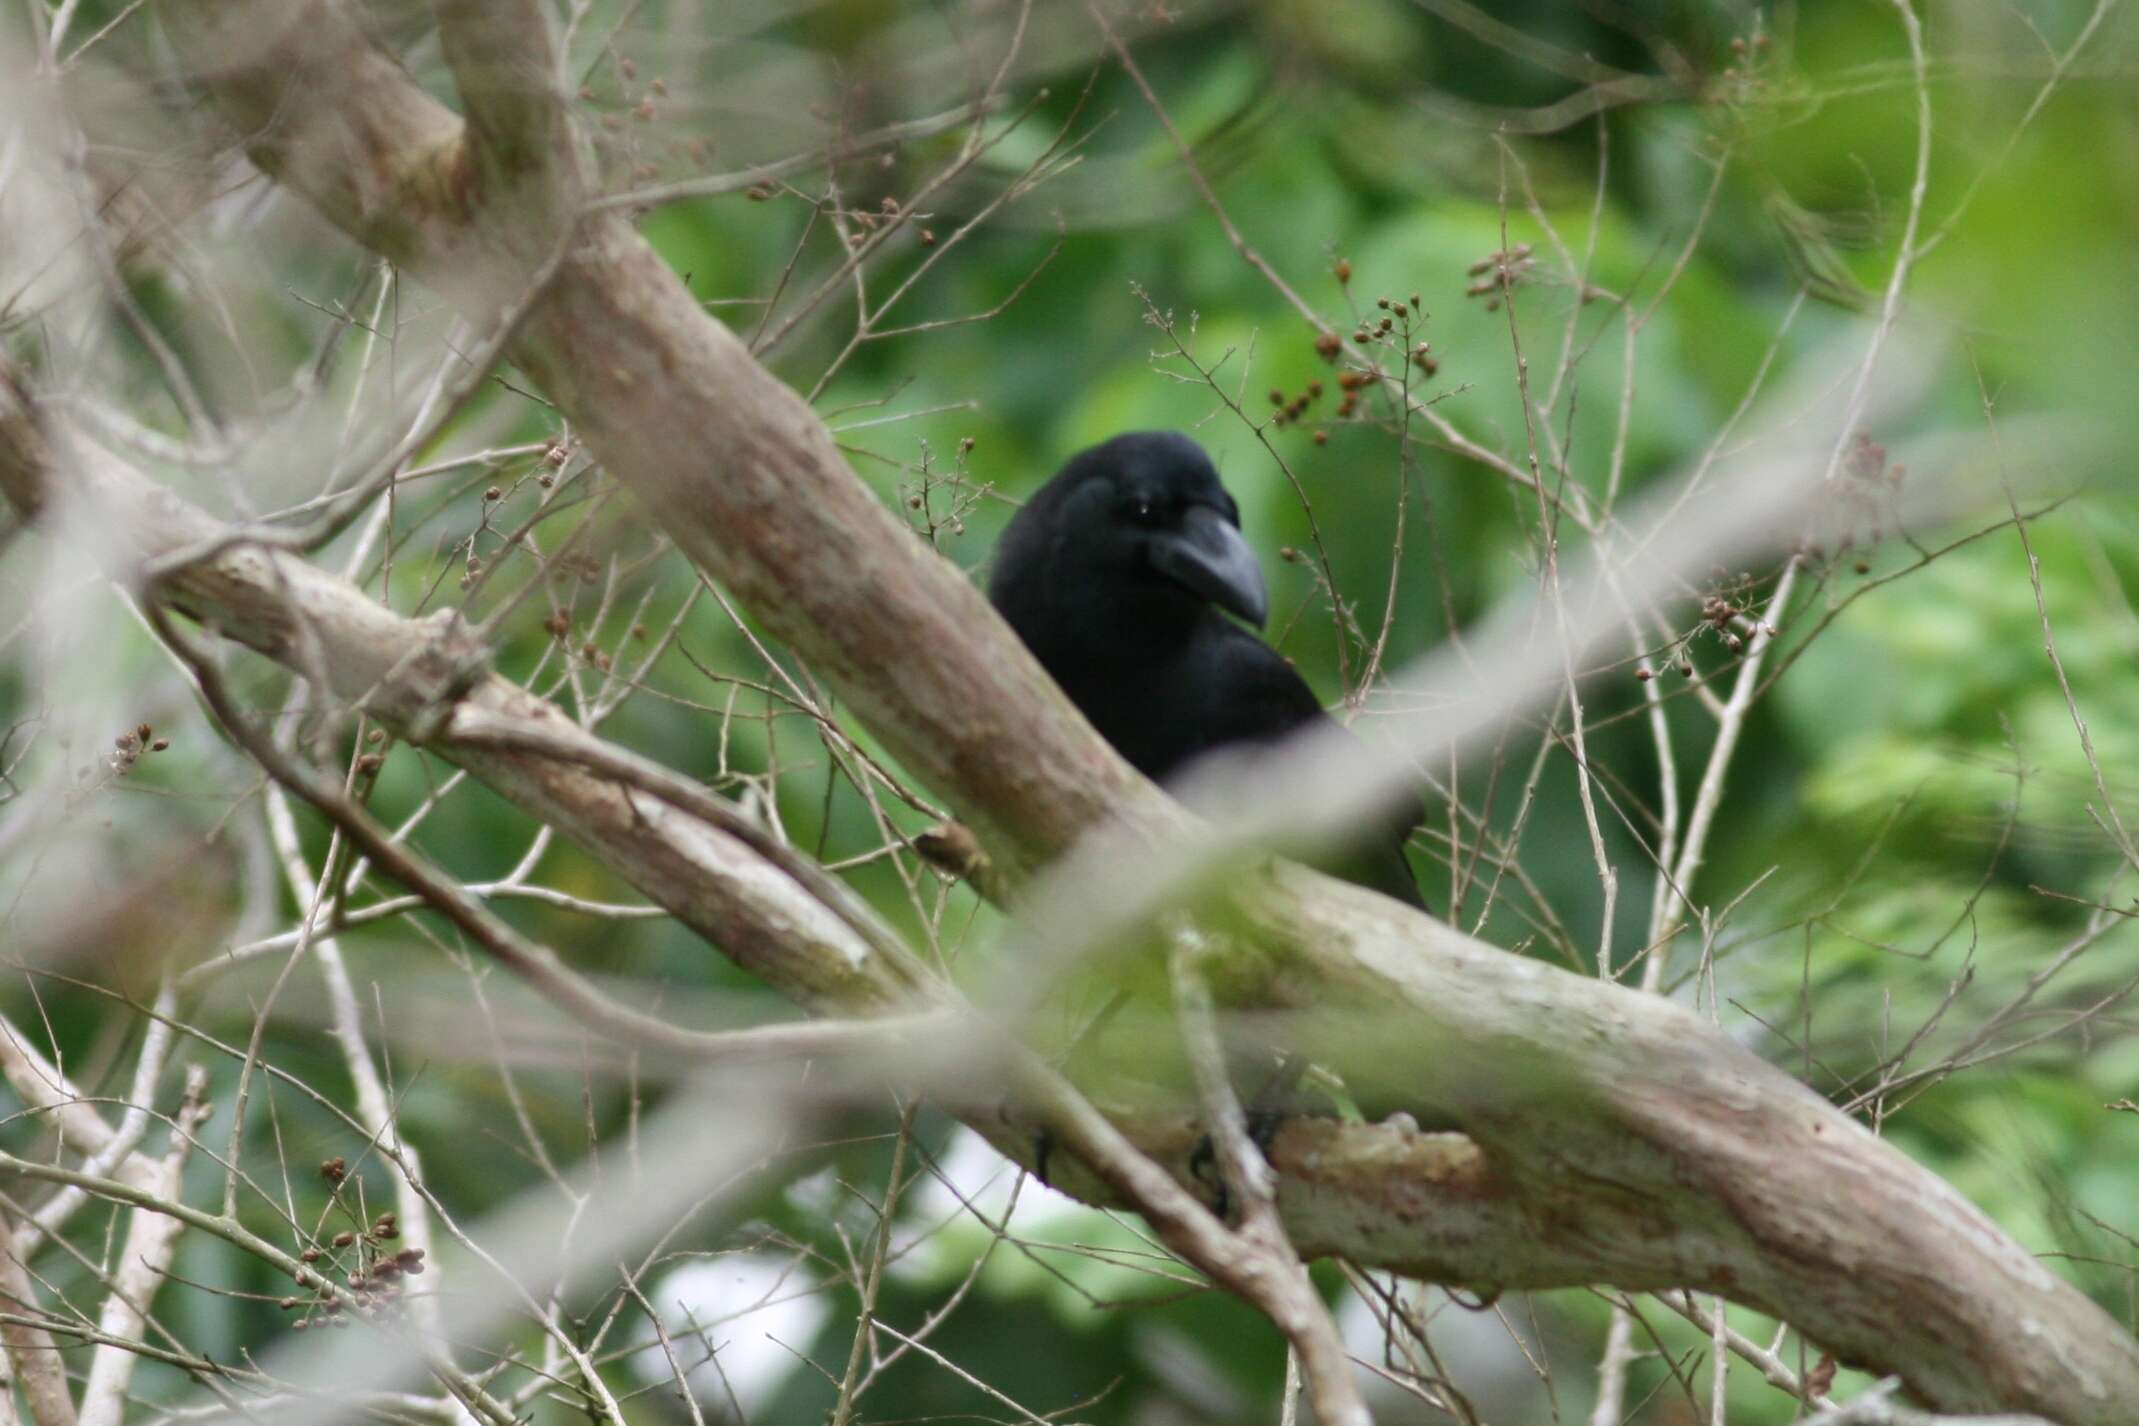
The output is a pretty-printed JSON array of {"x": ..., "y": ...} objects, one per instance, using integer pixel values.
[{"x": 1119, "y": 575}]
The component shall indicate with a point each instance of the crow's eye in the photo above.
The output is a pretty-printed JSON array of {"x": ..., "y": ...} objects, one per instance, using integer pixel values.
[{"x": 1143, "y": 512}]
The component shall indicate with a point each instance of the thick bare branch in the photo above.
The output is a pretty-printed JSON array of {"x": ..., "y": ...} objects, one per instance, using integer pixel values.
[
  {"x": 748, "y": 479},
  {"x": 414, "y": 675},
  {"x": 504, "y": 58}
]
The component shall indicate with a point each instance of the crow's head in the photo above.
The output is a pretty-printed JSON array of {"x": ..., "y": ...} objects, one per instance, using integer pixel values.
[{"x": 1139, "y": 527}]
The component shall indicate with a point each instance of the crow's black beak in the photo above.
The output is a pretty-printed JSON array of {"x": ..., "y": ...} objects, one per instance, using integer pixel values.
[{"x": 1207, "y": 557}]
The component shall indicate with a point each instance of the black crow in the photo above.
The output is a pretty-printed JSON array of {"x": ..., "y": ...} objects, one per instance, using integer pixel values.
[{"x": 1119, "y": 574}]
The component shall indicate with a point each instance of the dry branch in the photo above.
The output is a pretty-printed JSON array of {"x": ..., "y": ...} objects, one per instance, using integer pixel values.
[
  {"x": 31, "y": 1350},
  {"x": 144, "y": 1262}
]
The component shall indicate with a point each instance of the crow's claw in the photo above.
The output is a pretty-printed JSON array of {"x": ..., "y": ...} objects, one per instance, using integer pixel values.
[
  {"x": 1043, "y": 1148},
  {"x": 1203, "y": 1166}
]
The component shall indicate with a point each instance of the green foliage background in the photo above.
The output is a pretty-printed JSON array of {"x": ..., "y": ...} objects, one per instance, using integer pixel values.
[{"x": 1911, "y": 805}]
